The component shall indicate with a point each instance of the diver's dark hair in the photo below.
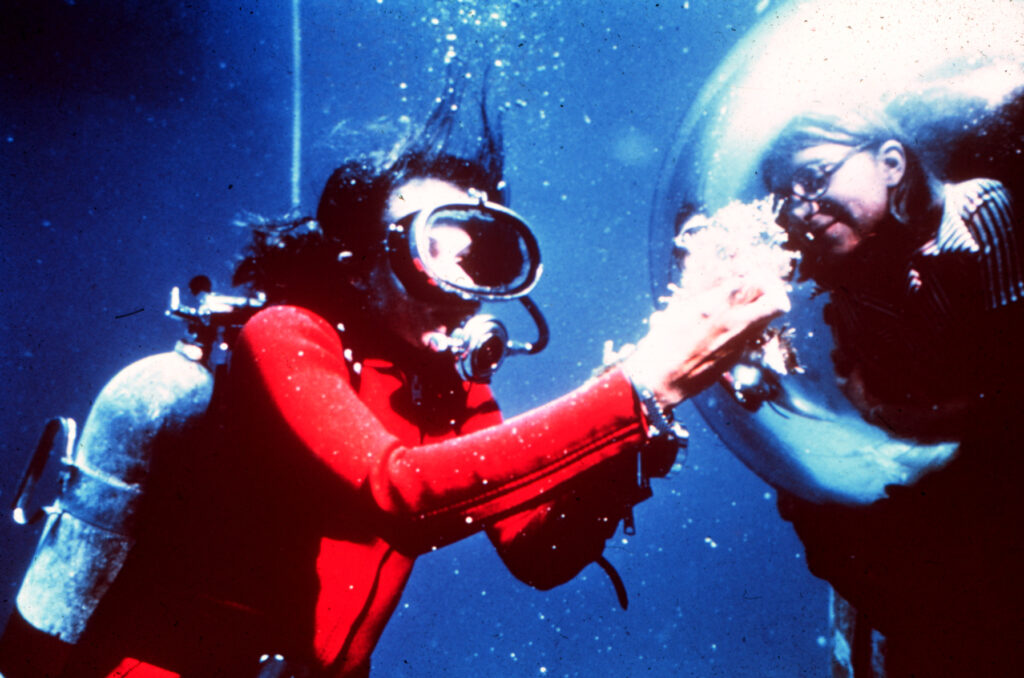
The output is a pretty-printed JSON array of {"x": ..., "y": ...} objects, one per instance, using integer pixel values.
[
  {"x": 307, "y": 261},
  {"x": 916, "y": 194}
]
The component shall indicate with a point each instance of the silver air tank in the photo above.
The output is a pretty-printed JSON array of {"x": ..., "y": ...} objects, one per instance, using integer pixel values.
[
  {"x": 91, "y": 526},
  {"x": 148, "y": 408}
]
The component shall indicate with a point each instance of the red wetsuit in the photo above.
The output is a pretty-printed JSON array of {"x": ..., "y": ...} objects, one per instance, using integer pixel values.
[{"x": 339, "y": 470}]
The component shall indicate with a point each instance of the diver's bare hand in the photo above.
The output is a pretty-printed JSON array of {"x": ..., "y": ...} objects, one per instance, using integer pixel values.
[{"x": 698, "y": 336}]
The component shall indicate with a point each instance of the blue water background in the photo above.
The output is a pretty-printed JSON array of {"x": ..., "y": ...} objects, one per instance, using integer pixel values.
[{"x": 133, "y": 134}]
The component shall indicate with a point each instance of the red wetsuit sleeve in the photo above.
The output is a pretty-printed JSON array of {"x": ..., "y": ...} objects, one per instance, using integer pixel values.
[
  {"x": 428, "y": 495},
  {"x": 550, "y": 544}
]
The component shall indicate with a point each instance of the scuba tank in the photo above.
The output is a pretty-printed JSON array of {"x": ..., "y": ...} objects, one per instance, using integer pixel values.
[{"x": 92, "y": 524}]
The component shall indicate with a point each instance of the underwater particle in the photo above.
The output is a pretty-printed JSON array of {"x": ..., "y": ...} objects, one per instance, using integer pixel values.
[
  {"x": 767, "y": 496},
  {"x": 586, "y": 119},
  {"x": 711, "y": 542},
  {"x": 403, "y": 85},
  {"x": 821, "y": 641},
  {"x": 543, "y": 670},
  {"x": 762, "y": 5}
]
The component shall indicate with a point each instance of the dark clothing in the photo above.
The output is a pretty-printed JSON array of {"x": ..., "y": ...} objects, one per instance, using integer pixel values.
[
  {"x": 935, "y": 566},
  {"x": 928, "y": 329}
]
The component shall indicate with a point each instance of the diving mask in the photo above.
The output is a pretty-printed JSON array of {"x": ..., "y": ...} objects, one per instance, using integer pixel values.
[{"x": 477, "y": 250}]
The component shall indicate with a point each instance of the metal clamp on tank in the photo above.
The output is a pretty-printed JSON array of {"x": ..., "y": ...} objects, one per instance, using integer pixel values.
[
  {"x": 97, "y": 498},
  {"x": 58, "y": 437}
]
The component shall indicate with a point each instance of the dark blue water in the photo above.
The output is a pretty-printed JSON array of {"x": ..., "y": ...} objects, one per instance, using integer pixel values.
[{"x": 133, "y": 134}]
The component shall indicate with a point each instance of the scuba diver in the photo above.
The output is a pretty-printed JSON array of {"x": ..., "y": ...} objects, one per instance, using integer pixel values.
[
  {"x": 353, "y": 429},
  {"x": 925, "y": 285}
]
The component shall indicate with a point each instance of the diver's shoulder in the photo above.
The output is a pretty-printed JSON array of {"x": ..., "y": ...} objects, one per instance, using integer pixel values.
[{"x": 284, "y": 322}]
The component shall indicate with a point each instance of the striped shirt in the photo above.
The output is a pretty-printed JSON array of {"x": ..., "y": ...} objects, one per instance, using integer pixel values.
[
  {"x": 978, "y": 219},
  {"x": 921, "y": 340}
]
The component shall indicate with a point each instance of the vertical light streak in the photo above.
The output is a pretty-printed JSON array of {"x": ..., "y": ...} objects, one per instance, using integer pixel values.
[{"x": 296, "y": 102}]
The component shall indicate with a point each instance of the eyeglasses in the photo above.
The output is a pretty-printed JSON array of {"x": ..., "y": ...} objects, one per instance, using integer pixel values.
[{"x": 811, "y": 181}]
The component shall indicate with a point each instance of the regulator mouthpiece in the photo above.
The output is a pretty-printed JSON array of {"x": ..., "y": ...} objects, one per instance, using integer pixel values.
[{"x": 480, "y": 345}]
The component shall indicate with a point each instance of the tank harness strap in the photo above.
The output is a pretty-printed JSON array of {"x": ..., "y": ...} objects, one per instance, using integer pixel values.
[
  {"x": 100, "y": 500},
  {"x": 613, "y": 574}
]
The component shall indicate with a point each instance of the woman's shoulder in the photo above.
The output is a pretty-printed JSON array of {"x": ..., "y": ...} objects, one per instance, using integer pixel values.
[
  {"x": 288, "y": 315},
  {"x": 284, "y": 325}
]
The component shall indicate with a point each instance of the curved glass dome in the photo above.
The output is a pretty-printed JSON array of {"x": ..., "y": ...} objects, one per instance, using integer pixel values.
[{"x": 952, "y": 75}]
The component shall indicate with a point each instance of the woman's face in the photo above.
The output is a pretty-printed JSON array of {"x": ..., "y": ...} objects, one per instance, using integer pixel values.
[
  {"x": 410, "y": 318},
  {"x": 848, "y": 197}
]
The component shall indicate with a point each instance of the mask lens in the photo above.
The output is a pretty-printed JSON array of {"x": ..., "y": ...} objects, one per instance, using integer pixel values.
[{"x": 478, "y": 250}]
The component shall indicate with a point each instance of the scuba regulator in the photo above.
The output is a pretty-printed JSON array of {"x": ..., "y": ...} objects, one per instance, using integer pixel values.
[{"x": 475, "y": 250}]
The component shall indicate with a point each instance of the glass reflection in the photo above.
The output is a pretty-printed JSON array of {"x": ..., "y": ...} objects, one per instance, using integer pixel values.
[
  {"x": 889, "y": 139},
  {"x": 952, "y": 88}
]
